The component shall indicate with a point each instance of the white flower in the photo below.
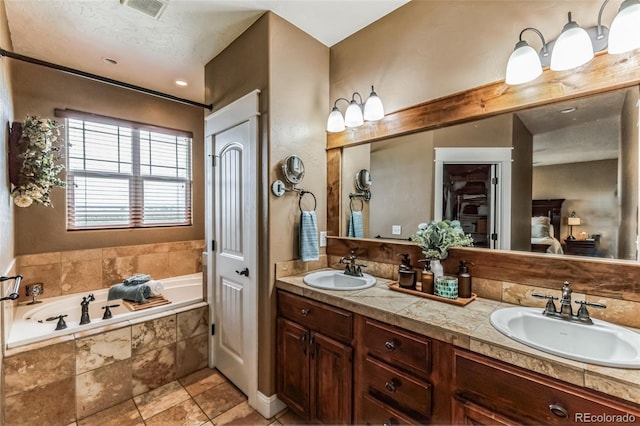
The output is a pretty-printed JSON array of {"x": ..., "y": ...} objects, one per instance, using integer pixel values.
[{"x": 23, "y": 201}]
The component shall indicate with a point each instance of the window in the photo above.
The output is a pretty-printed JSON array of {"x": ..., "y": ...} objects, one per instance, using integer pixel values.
[{"x": 125, "y": 175}]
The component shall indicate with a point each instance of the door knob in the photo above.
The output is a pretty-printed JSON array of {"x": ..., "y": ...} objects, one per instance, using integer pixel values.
[{"x": 244, "y": 272}]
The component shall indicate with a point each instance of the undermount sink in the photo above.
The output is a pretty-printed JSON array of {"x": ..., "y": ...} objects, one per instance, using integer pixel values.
[
  {"x": 601, "y": 343},
  {"x": 338, "y": 280}
]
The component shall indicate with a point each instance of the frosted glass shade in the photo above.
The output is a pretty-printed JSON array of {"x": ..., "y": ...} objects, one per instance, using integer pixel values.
[
  {"x": 373, "y": 109},
  {"x": 624, "y": 34},
  {"x": 524, "y": 65},
  {"x": 573, "y": 221},
  {"x": 335, "y": 122},
  {"x": 353, "y": 115},
  {"x": 572, "y": 49}
]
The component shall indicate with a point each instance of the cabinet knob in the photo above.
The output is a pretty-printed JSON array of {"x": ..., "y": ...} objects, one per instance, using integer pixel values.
[
  {"x": 392, "y": 385},
  {"x": 391, "y": 422},
  {"x": 559, "y": 411},
  {"x": 391, "y": 345},
  {"x": 304, "y": 312}
]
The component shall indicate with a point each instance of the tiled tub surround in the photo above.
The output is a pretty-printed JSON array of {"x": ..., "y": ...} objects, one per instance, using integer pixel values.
[
  {"x": 30, "y": 323},
  {"x": 469, "y": 327},
  {"x": 59, "y": 381}
]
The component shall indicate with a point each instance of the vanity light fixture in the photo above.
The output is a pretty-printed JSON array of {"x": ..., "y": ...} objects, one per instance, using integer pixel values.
[
  {"x": 575, "y": 46},
  {"x": 356, "y": 112}
]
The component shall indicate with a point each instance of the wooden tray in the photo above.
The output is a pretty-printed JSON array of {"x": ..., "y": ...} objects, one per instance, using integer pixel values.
[
  {"x": 152, "y": 302},
  {"x": 460, "y": 301}
]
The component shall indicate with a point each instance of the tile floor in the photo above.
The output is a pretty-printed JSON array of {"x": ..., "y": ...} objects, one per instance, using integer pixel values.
[{"x": 204, "y": 398}]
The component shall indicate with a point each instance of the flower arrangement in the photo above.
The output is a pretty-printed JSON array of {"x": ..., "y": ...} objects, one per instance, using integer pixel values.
[
  {"x": 437, "y": 237},
  {"x": 39, "y": 169}
]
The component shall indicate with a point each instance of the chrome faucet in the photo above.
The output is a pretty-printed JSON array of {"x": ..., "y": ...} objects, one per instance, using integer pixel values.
[
  {"x": 84, "y": 317},
  {"x": 352, "y": 268},
  {"x": 565, "y": 312}
]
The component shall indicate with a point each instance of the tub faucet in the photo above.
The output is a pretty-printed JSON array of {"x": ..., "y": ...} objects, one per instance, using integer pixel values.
[
  {"x": 16, "y": 287},
  {"x": 84, "y": 317}
]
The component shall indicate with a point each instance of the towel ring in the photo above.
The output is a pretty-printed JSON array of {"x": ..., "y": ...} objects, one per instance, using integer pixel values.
[
  {"x": 351, "y": 204},
  {"x": 302, "y": 193}
]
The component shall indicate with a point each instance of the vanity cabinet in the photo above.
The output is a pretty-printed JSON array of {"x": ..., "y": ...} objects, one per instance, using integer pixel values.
[
  {"x": 315, "y": 359},
  {"x": 491, "y": 392}
]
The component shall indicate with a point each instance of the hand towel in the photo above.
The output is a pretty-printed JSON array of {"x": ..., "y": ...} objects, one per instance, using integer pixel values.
[
  {"x": 135, "y": 293},
  {"x": 156, "y": 287},
  {"x": 136, "y": 279},
  {"x": 309, "y": 249},
  {"x": 356, "y": 226}
]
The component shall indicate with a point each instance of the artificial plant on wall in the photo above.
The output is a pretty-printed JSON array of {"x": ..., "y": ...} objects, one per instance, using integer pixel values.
[{"x": 36, "y": 155}]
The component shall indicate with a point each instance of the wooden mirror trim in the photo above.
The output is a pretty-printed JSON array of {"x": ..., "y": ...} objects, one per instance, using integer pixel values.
[{"x": 604, "y": 73}]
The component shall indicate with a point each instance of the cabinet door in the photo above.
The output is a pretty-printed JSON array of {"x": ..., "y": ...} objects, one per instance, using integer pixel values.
[
  {"x": 331, "y": 380},
  {"x": 468, "y": 413},
  {"x": 293, "y": 366}
]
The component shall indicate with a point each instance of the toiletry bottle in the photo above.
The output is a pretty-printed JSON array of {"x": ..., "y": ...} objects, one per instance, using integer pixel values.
[
  {"x": 464, "y": 280},
  {"x": 406, "y": 274},
  {"x": 427, "y": 277}
]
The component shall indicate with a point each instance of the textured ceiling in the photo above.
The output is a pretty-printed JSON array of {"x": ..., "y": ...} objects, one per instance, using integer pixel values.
[{"x": 154, "y": 53}]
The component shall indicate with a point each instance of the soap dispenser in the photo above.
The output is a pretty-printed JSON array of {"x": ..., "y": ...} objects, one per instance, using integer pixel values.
[
  {"x": 427, "y": 277},
  {"x": 464, "y": 280},
  {"x": 406, "y": 274}
]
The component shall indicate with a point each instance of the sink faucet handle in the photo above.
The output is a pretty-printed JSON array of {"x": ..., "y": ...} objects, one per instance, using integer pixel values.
[
  {"x": 583, "y": 313},
  {"x": 550, "y": 308},
  {"x": 544, "y": 296}
]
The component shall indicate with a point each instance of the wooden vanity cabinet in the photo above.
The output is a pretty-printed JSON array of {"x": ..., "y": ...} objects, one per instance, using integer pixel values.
[
  {"x": 491, "y": 392},
  {"x": 315, "y": 359}
]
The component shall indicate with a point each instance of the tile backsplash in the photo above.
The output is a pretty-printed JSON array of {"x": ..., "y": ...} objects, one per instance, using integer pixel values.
[{"x": 79, "y": 271}]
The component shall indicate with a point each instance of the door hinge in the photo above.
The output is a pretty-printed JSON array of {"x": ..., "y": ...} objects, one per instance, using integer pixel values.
[
  {"x": 494, "y": 181},
  {"x": 213, "y": 245},
  {"x": 494, "y": 237},
  {"x": 213, "y": 329}
]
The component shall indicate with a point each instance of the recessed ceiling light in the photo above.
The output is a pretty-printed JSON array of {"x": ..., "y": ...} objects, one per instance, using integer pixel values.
[
  {"x": 567, "y": 110},
  {"x": 181, "y": 83},
  {"x": 110, "y": 61}
]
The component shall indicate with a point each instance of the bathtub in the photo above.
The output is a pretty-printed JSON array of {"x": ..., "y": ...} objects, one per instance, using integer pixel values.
[{"x": 30, "y": 323}]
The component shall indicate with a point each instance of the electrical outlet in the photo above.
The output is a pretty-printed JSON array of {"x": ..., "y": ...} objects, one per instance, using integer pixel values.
[
  {"x": 396, "y": 230},
  {"x": 323, "y": 238}
]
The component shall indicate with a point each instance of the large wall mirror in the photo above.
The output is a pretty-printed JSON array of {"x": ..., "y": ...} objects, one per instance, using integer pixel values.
[{"x": 578, "y": 155}]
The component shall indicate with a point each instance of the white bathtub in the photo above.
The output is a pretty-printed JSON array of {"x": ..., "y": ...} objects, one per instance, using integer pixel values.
[{"x": 30, "y": 323}]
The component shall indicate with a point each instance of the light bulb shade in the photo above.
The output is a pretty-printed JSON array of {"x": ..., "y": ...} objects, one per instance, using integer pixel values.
[
  {"x": 524, "y": 64},
  {"x": 572, "y": 49},
  {"x": 624, "y": 34},
  {"x": 353, "y": 115},
  {"x": 373, "y": 109},
  {"x": 335, "y": 122},
  {"x": 573, "y": 221}
]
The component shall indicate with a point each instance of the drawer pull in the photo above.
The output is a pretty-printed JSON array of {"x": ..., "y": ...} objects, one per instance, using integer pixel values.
[
  {"x": 558, "y": 410},
  {"x": 392, "y": 386},
  {"x": 304, "y": 312},
  {"x": 391, "y": 422},
  {"x": 391, "y": 346}
]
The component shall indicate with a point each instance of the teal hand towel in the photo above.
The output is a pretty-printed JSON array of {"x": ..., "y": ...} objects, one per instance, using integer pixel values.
[
  {"x": 309, "y": 249},
  {"x": 136, "y": 279},
  {"x": 356, "y": 225},
  {"x": 135, "y": 293}
]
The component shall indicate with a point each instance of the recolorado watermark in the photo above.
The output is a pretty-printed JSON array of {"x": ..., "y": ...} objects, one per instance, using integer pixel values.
[{"x": 604, "y": 418}]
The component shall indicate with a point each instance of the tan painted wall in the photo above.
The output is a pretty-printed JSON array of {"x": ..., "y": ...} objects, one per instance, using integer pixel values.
[
  {"x": 628, "y": 176},
  {"x": 37, "y": 91}
]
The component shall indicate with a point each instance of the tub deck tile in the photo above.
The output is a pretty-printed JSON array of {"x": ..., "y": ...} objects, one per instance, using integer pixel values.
[
  {"x": 102, "y": 349},
  {"x": 102, "y": 388}
]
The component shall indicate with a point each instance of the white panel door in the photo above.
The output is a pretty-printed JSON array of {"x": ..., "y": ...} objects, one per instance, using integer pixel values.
[{"x": 235, "y": 282}]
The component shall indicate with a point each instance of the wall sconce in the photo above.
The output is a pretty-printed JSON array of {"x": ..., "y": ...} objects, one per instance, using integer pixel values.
[
  {"x": 356, "y": 113},
  {"x": 572, "y": 221},
  {"x": 575, "y": 46}
]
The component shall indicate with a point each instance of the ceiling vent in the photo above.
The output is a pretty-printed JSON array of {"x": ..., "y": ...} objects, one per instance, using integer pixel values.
[{"x": 153, "y": 8}]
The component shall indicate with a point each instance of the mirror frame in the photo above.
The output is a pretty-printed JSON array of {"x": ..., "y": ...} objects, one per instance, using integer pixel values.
[{"x": 604, "y": 73}]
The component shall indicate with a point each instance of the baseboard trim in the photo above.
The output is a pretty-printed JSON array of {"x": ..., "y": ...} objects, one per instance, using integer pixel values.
[{"x": 268, "y": 406}]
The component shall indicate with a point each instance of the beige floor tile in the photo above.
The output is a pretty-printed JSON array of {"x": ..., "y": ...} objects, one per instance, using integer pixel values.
[
  {"x": 275, "y": 423},
  {"x": 290, "y": 418},
  {"x": 241, "y": 414},
  {"x": 160, "y": 399},
  {"x": 202, "y": 380},
  {"x": 186, "y": 413},
  {"x": 219, "y": 399},
  {"x": 124, "y": 414}
]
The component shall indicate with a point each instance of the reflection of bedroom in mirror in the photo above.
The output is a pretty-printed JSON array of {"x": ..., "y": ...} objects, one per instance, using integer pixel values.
[{"x": 580, "y": 153}]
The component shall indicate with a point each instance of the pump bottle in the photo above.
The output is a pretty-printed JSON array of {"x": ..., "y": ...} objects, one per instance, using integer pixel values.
[{"x": 464, "y": 280}]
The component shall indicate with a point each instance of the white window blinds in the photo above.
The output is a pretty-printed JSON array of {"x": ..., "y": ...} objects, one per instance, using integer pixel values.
[{"x": 125, "y": 175}]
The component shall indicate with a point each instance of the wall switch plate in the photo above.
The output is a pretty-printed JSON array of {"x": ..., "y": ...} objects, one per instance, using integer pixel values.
[
  {"x": 323, "y": 238},
  {"x": 396, "y": 229}
]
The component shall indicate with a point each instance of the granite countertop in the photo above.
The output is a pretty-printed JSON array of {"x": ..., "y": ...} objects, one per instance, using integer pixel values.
[{"x": 468, "y": 327}]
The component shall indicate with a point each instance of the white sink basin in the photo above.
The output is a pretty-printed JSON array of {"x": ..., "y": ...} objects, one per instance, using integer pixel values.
[
  {"x": 337, "y": 280},
  {"x": 602, "y": 343}
]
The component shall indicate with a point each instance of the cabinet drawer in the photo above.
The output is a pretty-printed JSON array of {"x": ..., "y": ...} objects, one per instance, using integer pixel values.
[
  {"x": 397, "y": 389},
  {"x": 333, "y": 322},
  {"x": 397, "y": 347},
  {"x": 377, "y": 413},
  {"x": 533, "y": 398}
]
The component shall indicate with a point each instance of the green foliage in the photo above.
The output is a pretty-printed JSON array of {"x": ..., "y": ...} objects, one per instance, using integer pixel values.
[
  {"x": 437, "y": 237},
  {"x": 39, "y": 155}
]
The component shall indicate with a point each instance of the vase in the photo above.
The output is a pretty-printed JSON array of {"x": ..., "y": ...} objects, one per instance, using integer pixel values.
[{"x": 436, "y": 268}]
